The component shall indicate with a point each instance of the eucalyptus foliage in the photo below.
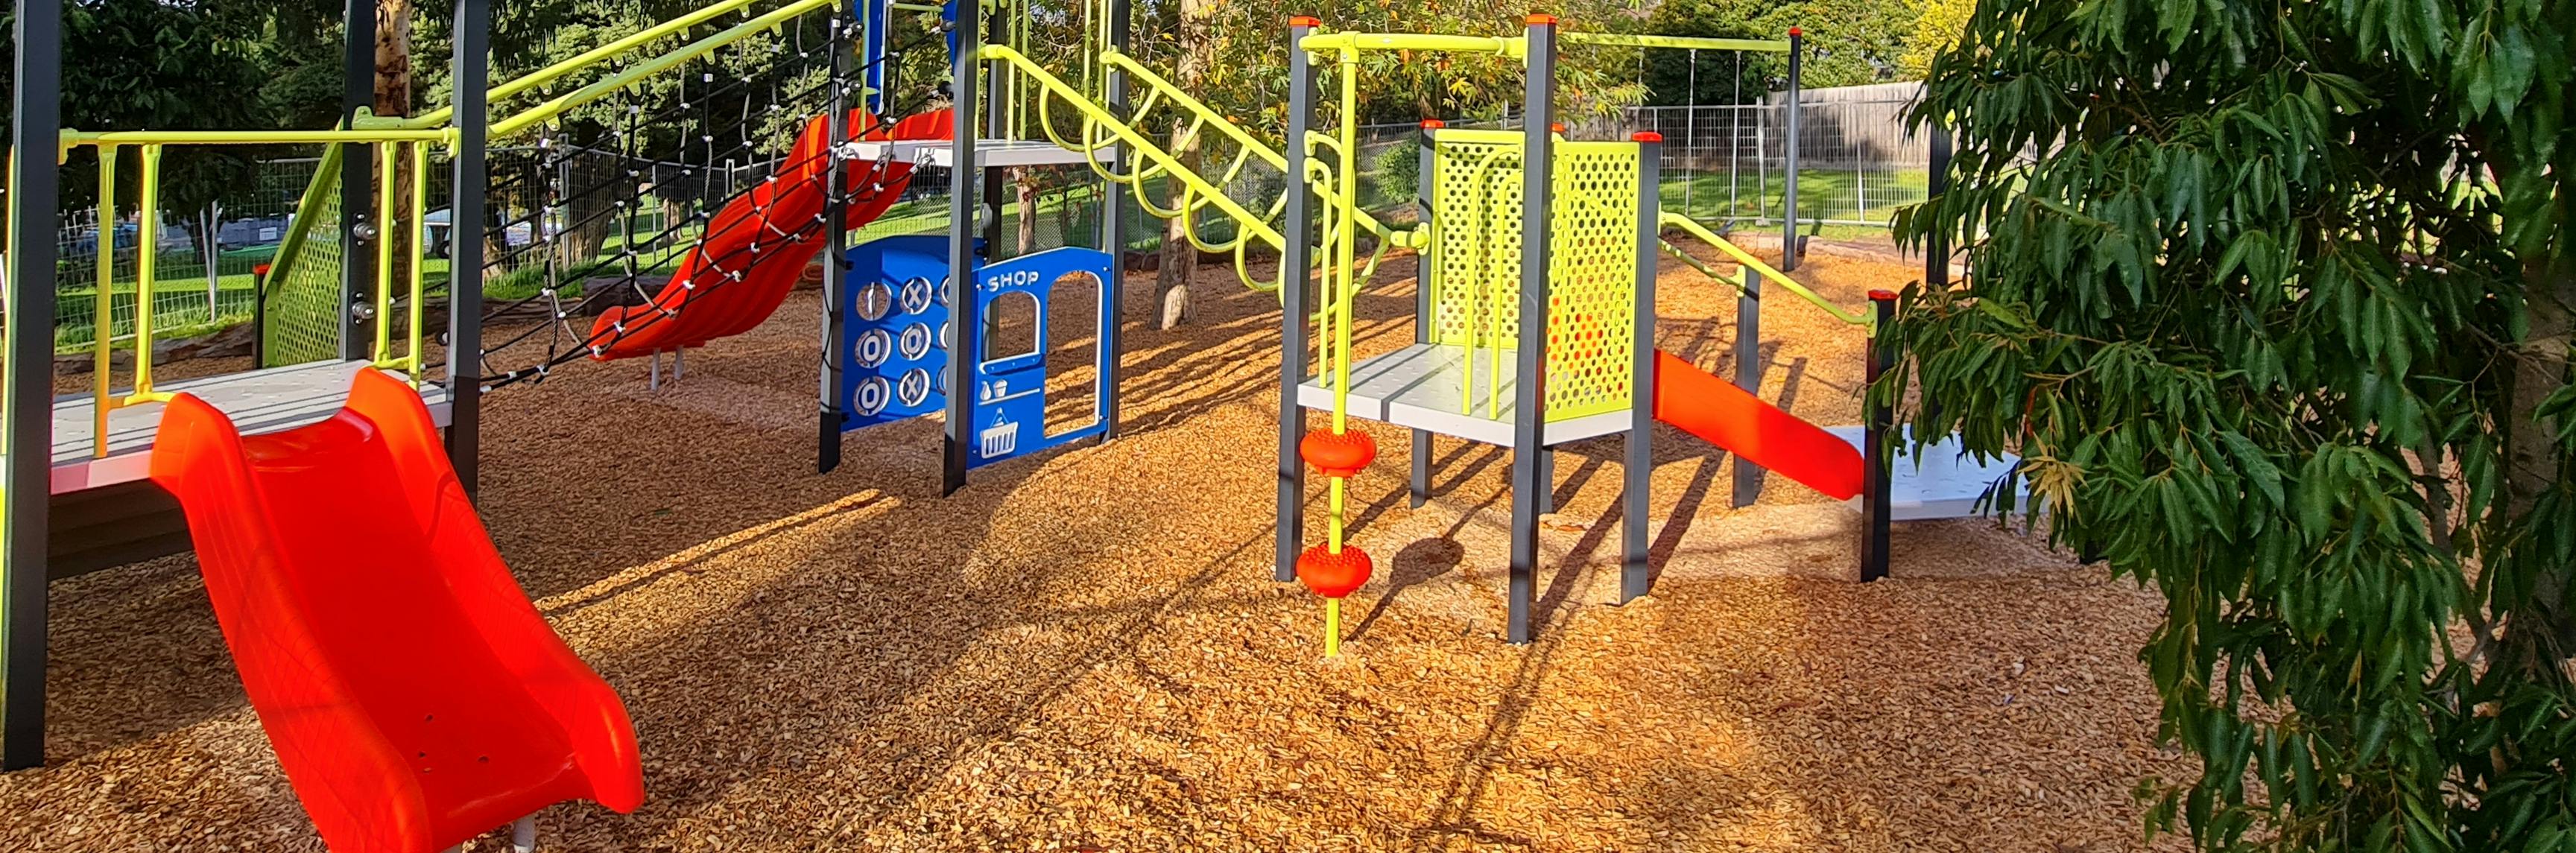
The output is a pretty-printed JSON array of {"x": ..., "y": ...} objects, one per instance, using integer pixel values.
[{"x": 2273, "y": 299}]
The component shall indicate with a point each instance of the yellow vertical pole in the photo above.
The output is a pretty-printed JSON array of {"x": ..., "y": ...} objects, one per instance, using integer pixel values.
[
  {"x": 147, "y": 245},
  {"x": 103, "y": 303},
  {"x": 1332, "y": 627},
  {"x": 415, "y": 233},
  {"x": 388, "y": 159}
]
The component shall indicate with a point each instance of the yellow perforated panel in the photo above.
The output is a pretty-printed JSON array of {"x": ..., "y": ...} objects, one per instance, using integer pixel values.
[{"x": 1476, "y": 190}]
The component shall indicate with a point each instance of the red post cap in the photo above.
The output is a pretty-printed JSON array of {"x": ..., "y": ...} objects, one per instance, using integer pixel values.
[
  {"x": 1795, "y": 32},
  {"x": 1540, "y": 20},
  {"x": 1882, "y": 296},
  {"x": 1433, "y": 124},
  {"x": 1646, "y": 136},
  {"x": 1308, "y": 21}
]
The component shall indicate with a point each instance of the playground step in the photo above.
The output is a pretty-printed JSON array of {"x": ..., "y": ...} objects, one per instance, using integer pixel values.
[
  {"x": 259, "y": 401},
  {"x": 1417, "y": 387},
  {"x": 988, "y": 152}
]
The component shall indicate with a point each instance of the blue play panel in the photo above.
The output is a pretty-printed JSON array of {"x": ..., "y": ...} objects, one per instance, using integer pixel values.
[{"x": 894, "y": 362}]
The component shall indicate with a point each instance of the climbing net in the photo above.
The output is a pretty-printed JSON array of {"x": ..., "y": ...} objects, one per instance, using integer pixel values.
[{"x": 610, "y": 198}]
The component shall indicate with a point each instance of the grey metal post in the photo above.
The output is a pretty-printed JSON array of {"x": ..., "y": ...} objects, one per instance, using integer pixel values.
[
  {"x": 1748, "y": 373},
  {"x": 28, "y": 418},
  {"x": 1529, "y": 398},
  {"x": 1748, "y": 302},
  {"x": 1425, "y": 273},
  {"x": 470, "y": 69},
  {"x": 1877, "y": 432},
  {"x": 1296, "y": 260},
  {"x": 962, "y": 199},
  {"x": 836, "y": 262},
  {"x": 1789, "y": 153},
  {"x": 1113, "y": 231},
  {"x": 1635, "y": 578},
  {"x": 357, "y": 176}
]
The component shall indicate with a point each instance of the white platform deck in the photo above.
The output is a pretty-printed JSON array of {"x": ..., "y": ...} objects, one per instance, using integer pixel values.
[
  {"x": 260, "y": 401},
  {"x": 988, "y": 152},
  {"x": 1417, "y": 387},
  {"x": 1946, "y": 485}
]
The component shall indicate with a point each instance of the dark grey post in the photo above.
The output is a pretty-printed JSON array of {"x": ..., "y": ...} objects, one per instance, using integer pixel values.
[
  {"x": 962, "y": 181},
  {"x": 1529, "y": 398},
  {"x": 1748, "y": 301},
  {"x": 29, "y": 387},
  {"x": 470, "y": 69},
  {"x": 997, "y": 123},
  {"x": 836, "y": 262},
  {"x": 1789, "y": 152},
  {"x": 1878, "y": 431},
  {"x": 357, "y": 175},
  {"x": 1635, "y": 579},
  {"x": 1113, "y": 233},
  {"x": 1296, "y": 260},
  {"x": 1418, "y": 488}
]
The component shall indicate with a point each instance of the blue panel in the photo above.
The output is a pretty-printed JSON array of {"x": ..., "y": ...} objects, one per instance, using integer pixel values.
[
  {"x": 894, "y": 363},
  {"x": 1010, "y": 391},
  {"x": 894, "y": 366}
]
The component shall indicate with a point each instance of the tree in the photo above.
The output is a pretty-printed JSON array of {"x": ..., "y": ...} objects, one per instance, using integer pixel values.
[
  {"x": 1937, "y": 25},
  {"x": 2285, "y": 292}
]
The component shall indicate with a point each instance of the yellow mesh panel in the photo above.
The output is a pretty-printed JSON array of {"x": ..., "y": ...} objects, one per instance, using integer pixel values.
[{"x": 1592, "y": 285}]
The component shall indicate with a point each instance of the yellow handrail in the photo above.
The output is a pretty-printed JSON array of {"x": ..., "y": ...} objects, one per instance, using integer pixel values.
[
  {"x": 77, "y": 138},
  {"x": 1693, "y": 228},
  {"x": 1683, "y": 42},
  {"x": 586, "y": 59},
  {"x": 1504, "y": 46},
  {"x": 605, "y": 86},
  {"x": 103, "y": 310},
  {"x": 1096, "y": 116}
]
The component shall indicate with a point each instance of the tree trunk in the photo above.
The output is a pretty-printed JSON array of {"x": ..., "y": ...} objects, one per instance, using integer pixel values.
[
  {"x": 394, "y": 98},
  {"x": 2540, "y": 637},
  {"x": 1172, "y": 277},
  {"x": 1025, "y": 180},
  {"x": 1172, "y": 274}
]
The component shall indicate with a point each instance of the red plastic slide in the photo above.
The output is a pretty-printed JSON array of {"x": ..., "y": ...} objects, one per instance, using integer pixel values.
[
  {"x": 763, "y": 237},
  {"x": 1732, "y": 418},
  {"x": 414, "y": 696}
]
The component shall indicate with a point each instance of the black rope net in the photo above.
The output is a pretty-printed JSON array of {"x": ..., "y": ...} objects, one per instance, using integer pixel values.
[{"x": 611, "y": 197}]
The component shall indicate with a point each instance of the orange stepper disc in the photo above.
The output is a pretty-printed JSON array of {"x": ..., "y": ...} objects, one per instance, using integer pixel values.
[
  {"x": 1334, "y": 575},
  {"x": 1338, "y": 455}
]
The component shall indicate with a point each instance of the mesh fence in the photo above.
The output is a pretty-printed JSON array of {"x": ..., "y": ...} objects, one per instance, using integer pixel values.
[
  {"x": 300, "y": 320},
  {"x": 204, "y": 259}
]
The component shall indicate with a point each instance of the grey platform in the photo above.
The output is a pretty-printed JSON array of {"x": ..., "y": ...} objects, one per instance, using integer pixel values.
[
  {"x": 260, "y": 401},
  {"x": 1947, "y": 484},
  {"x": 1417, "y": 387},
  {"x": 988, "y": 152}
]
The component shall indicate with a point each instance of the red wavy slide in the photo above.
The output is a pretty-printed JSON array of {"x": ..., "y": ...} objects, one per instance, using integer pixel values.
[
  {"x": 414, "y": 696},
  {"x": 1741, "y": 423},
  {"x": 754, "y": 249}
]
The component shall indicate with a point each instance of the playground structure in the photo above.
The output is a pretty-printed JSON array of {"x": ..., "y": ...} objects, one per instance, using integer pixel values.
[{"x": 1531, "y": 245}]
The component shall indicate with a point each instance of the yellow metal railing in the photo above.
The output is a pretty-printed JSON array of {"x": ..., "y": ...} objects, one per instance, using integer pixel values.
[
  {"x": 1754, "y": 266},
  {"x": 149, "y": 146}
]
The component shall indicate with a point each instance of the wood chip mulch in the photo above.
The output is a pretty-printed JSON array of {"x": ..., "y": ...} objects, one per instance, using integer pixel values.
[{"x": 1084, "y": 651}]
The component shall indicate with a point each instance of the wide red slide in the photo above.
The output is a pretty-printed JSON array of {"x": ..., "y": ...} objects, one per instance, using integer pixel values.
[
  {"x": 755, "y": 248},
  {"x": 415, "y": 697},
  {"x": 1743, "y": 424}
]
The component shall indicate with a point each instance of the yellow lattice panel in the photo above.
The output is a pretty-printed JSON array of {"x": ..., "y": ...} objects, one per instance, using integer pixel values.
[{"x": 1476, "y": 190}]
